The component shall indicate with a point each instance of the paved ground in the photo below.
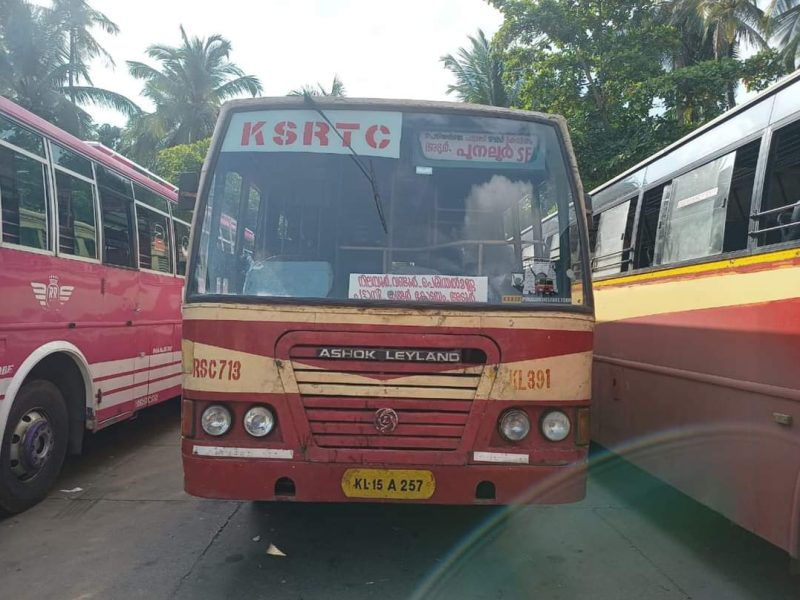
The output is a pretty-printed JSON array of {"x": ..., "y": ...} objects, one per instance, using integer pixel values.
[{"x": 132, "y": 533}]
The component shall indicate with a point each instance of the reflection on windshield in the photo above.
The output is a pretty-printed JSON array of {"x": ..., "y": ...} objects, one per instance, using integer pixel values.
[{"x": 483, "y": 227}]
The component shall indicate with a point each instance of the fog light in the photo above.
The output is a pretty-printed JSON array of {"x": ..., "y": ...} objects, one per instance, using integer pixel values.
[
  {"x": 515, "y": 425},
  {"x": 216, "y": 420},
  {"x": 259, "y": 421},
  {"x": 555, "y": 426}
]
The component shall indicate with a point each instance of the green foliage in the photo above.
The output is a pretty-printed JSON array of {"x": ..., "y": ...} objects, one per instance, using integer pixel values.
[
  {"x": 42, "y": 70},
  {"x": 761, "y": 70},
  {"x": 108, "y": 135},
  {"x": 171, "y": 162},
  {"x": 479, "y": 73},
  {"x": 587, "y": 62},
  {"x": 631, "y": 76},
  {"x": 785, "y": 27},
  {"x": 188, "y": 87}
]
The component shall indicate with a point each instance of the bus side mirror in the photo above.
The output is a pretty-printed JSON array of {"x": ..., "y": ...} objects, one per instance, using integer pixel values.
[{"x": 187, "y": 190}]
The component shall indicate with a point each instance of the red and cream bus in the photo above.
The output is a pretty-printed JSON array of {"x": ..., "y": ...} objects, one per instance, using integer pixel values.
[
  {"x": 383, "y": 332},
  {"x": 92, "y": 258},
  {"x": 697, "y": 283}
]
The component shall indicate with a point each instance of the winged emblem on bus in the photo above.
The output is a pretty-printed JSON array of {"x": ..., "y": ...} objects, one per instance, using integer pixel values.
[{"x": 48, "y": 294}]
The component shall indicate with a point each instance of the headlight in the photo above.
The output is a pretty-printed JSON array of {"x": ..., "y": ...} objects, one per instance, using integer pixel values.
[
  {"x": 555, "y": 426},
  {"x": 216, "y": 420},
  {"x": 259, "y": 421},
  {"x": 515, "y": 425}
]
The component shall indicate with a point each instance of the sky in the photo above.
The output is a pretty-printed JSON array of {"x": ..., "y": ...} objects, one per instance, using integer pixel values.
[{"x": 379, "y": 48}]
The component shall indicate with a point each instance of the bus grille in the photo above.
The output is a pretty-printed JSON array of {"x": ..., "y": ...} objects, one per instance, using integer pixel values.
[{"x": 341, "y": 398}]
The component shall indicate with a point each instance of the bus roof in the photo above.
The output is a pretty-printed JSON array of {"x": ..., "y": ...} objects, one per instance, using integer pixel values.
[
  {"x": 333, "y": 102},
  {"x": 760, "y": 97},
  {"x": 53, "y": 132},
  {"x": 129, "y": 163}
]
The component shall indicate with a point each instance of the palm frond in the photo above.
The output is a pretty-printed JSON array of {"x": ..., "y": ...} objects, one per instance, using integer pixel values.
[
  {"x": 247, "y": 84},
  {"x": 107, "y": 98}
]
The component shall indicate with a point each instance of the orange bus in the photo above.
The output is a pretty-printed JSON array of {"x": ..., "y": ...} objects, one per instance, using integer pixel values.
[
  {"x": 697, "y": 280},
  {"x": 380, "y": 335}
]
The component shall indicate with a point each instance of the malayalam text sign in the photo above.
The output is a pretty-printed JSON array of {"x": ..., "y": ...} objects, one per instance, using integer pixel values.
[
  {"x": 418, "y": 288},
  {"x": 478, "y": 147}
]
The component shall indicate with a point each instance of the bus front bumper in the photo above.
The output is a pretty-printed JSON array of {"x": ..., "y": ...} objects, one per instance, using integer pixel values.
[{"x": 288, "y": 479}]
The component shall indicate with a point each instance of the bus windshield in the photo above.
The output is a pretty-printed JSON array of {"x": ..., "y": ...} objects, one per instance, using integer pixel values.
[{"x": 478, "y": 210}]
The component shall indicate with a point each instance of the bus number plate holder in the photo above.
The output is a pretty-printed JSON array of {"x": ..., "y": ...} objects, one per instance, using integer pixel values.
[{"x": 388, "y": 484}]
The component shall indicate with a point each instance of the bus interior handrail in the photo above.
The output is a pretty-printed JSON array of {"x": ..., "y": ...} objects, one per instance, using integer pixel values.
[
  {"x": 773, "y": 211},
  {"x": 775, "y": 228}
]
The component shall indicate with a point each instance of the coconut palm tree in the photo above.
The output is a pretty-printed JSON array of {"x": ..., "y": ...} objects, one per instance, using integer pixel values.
[
  {"x": 479, "y": 74},
  {"x": 188, "y": 88},
  {"x": 77, "y": 19},
  {"x": 35, "y": 68},
  {"x": 728, "y": 24},
  {"x": 785, "y": 17},
  {"x": 732, "y": 23},
  {"x": 337, "y": 89},
  {"x": 108, "y": 135}
]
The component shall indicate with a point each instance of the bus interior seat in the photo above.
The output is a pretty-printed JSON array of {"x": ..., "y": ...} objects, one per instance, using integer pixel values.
[{"x": 785, "y": 218}]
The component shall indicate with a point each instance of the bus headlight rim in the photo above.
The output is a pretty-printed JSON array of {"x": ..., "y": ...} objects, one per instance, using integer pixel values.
[
  {"x": 216, "y": 420},
  {"x": 556, "y": 426},
  {"x": 514, "y": 425},
  {"x": 259, "y": 421}
]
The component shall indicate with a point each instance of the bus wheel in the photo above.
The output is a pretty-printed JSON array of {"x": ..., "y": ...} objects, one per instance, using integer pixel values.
[{"x": 33, "y": 447}]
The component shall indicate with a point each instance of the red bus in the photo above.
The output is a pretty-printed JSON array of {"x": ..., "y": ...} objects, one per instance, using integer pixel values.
[
  {"x": 697, "y": 282},
  {"x": 92, "y": 261},
  {"x": 379, "y": 334}
]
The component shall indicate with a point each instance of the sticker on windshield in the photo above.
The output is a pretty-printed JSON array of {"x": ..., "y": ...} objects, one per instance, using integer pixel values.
[
  {"x": 369, "y": 133},
  {"x": 539, "y": 280},
  {"x": 418, "y": 288},
  {"x": 478, "y": 147}
]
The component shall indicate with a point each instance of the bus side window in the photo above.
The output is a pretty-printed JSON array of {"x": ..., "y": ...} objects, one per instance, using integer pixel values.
[
  {"x": 693, "y": 220},
  {"x": 23, "y": 194},
  {"x": 780, "y": 207},
  {"x": 181, "y": 232},
  {"x": 739, "y": 199},
  {"x": 648, "y": 225},
  {"x": 614, "y": 238},
  {"x": 77, "y": 233},
  {"x": 594, "y": 230},
  {"x": 154, "y": 250},
  {"x": 116, "y": 206}
]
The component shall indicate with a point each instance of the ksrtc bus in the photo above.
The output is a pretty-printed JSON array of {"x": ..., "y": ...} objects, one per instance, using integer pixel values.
[
  {"x": 375, "y": 330},
  {"x": 92, "y": 261},
  {"x": 697, "y": 281}
]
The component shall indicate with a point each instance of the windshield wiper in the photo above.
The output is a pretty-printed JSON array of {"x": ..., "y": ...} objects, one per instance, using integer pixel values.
[{"x": 370, "y": 175}]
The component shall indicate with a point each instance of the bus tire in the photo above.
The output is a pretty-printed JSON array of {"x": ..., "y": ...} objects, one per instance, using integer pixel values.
[{"x": 34, "y": 445}]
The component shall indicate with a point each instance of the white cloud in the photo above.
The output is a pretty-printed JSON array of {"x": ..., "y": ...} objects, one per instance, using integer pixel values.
[{"x": 379, "y": 48}]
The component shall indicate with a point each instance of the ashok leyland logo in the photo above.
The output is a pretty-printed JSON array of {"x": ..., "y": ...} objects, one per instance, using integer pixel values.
[{"x": 51, "y": 294}]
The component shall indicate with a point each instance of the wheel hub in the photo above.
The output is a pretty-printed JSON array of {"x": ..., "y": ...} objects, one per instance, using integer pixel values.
[{"x": 31, "y": 444}]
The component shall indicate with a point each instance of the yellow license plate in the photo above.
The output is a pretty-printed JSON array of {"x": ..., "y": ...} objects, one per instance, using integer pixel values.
[{"x": 401, "y": 484}]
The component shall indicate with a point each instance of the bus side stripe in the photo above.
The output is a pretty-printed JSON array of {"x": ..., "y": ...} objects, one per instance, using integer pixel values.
[
  {"x": 103, "y": 370},
  {"x": 725, "y": 289},
  {"x": 110, "y": 386},
  {"x": 139, "y": 391}
]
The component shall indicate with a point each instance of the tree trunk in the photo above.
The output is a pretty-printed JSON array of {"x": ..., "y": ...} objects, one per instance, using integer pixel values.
[
  {"x": 679, "y": 61},
  {"x": 71, "y": 70},
  {"x": 731, "y": 87},
  {"x": 599, "y": 98},
  {"x": 731, "y": 93}
]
